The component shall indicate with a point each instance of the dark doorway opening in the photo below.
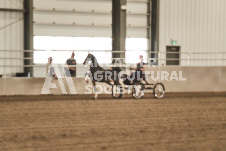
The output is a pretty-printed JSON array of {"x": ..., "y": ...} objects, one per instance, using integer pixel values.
[{"x": 172, "y": 55}]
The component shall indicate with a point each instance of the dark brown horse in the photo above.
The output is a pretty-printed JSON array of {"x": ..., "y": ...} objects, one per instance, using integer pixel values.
[{"x": 98, "y": 74}]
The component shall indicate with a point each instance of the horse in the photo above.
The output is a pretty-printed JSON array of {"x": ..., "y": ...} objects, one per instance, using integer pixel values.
[{"x": 99, "y": 74}]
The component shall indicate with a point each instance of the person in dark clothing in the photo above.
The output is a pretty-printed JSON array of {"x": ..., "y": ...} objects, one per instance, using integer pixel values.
[
  {"x": 71, "y": 61},
  {"x": 140, "y": 70}
]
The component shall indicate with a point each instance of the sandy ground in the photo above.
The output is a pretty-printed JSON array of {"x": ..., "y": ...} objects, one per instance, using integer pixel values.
[{"x": 177, "y": 124}]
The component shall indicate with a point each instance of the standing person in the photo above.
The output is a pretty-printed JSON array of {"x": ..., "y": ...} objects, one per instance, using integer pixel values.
[
  {"x": 71, "y": 61},
  {"x": 50, "y": 69}
]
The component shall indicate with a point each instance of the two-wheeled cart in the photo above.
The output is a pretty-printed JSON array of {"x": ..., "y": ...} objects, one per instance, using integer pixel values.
[{"x": 138, "y": 88}]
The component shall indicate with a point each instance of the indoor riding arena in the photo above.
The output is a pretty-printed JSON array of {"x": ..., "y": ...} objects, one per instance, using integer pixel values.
[{"x": 119, "y": 75}]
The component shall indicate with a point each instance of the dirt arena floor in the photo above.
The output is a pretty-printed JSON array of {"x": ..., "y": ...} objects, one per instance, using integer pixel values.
[{"x": 60, "y": 123}]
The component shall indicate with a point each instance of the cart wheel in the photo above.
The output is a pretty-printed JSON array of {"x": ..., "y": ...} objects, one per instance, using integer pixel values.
[
  {"x": 117, "y": 91},
  {"x": 159, "y": 90},
  {"x": 138, "y": 91}
]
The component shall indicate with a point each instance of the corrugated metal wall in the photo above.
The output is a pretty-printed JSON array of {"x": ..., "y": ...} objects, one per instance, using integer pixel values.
[
  {"x": 11, "y": 37},
  {"x": 199, "y": 26},
  {"x": 85, "y": 18}
]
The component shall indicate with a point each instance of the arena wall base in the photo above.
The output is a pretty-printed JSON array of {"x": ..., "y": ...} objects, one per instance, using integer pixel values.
[
  {"x": 223, "y": 79},
  {"x": 198, "y": 79}
]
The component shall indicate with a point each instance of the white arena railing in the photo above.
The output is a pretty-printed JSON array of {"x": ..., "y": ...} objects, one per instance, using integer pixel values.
[
  {"x": 187, "y": 59},
  {"x": 204, "y": 72}
]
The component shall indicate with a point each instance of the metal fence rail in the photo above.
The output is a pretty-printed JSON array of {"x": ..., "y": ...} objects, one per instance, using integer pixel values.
[{"x": 13, "y": 59}]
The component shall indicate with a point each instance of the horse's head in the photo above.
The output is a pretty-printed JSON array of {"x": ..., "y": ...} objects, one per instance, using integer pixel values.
[
  {"x": 88, "y": 58},
  {"x": 91, "y": 57}
]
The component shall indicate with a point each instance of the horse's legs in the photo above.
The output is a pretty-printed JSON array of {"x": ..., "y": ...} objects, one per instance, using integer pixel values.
[
  {"x": 95, "y": 90},
  {"x": 110, "y": 82}
]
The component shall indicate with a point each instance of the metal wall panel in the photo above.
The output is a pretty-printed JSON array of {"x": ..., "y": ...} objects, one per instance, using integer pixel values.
[
  {"x": 71, "y": 31},
  {"x": 136, "y": 20},
  {"x": 79, "y": 18},
  {"x": 198, "y": 26},
  {"x": 73, "y": 15},
  {"x": 15, "y": 4},
  {"x": 89, "y": 6},
  {"x": 70, "y": 18},
  {"x": 11, "y": 37}
]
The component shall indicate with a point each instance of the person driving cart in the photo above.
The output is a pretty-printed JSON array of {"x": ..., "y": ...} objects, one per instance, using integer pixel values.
[{"x": 139, "y": 74}]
